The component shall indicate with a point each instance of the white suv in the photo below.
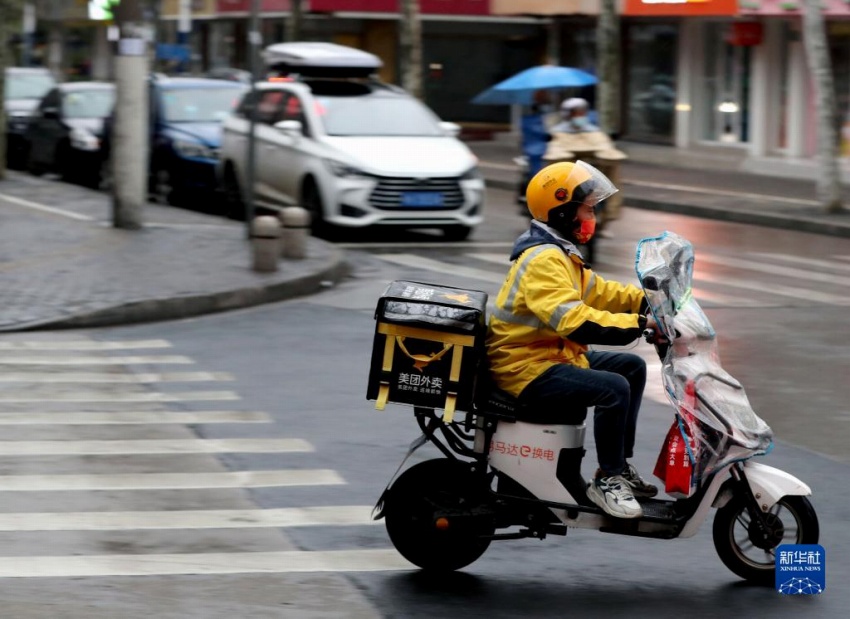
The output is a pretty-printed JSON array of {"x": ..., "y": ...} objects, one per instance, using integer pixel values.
[{"x": 355, "y": 152}]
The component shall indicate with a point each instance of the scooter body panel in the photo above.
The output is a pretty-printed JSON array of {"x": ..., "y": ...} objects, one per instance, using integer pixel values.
[{"x": 770, "y": 484}]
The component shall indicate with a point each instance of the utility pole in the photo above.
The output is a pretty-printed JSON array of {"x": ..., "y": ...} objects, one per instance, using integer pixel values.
[
  {"x": 9, "y": 15},
  {"x": 28, "y": 33},
  {"x": 410, "y": 42},
  {"x": 255, "y": 39},
  {"x": 184, "y": 30},
  {"x": 130, "y": 124}
]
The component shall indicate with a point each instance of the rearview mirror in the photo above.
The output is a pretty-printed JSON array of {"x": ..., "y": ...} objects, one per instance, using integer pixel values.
[
  {"x": 450, "y": 129},
  {"x": 292, "y": 128}
]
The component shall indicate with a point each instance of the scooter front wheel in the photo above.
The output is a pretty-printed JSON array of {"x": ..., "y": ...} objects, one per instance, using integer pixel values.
[
  {"x": 436, "y": 515},
  {"x": 750, "y": 552}
]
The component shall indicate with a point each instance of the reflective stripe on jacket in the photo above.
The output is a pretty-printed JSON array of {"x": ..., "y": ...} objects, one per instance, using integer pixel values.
[{"x": 550, "y": 308}]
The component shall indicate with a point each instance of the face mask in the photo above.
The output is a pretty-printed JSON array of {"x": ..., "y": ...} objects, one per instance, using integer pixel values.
[{"x": 585, "y": 231}]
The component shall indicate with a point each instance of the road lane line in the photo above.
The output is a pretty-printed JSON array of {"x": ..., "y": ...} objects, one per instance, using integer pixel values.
[
  {"x": 798, "y": 293},
  {"x": 420, "y": 262},
  {"x": 107, "y": 377},
  {"x": 97, "y": 396},
  {"x": 170, "y": 481},
  {"x": 82, "y": 345},
  {"x": 36, "y": 206},
  {"x": 153, "y": 446},
  {"x": 820, "y": 264},
  {"x": 776, "y": 269},
  {"x": 92, "y": 360},
  {"x": 283, "y": 562},
  {"x": 131, "y": 417},
  {"x": 337, "y": 515}
]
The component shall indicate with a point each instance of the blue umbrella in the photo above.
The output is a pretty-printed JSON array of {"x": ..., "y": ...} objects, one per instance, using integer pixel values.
[{"x": 520, "y": 88}]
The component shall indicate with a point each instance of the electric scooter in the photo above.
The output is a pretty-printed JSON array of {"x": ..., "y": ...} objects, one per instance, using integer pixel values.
[{"x": 509, "y": 472}]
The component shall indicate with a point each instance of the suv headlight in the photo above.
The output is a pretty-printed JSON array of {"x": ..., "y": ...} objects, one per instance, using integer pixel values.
[
  {"x": 84, "y": 140},
  {"x": 343, "y": 170},
  {"x": 471, "y": 174},
  {"x": 194, "y": 150}
]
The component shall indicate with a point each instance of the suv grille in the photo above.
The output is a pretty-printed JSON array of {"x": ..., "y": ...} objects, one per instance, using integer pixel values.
[{"x": 387, "y": 195}]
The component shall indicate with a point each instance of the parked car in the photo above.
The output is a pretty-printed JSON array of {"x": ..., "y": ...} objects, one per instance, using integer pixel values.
[
  {"x": 185, "y": 135},
  {"x": 231, "y": 74},
  {"x": 355, "y": 152},
  {"x": 25, "y": 87},
  {"x": 65, "y": 133}
]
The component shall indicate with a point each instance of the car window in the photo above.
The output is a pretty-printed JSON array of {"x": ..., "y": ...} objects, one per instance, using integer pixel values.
[
  {"x": 51, "y": 99},
  {"x": 269, "y": 110},
  {"x": 88, "y": 104},
  {"x": 293, "y": 109},
  {"x": 377, "y": 115},
  {"x": 199, "y": 104},
  {"x": 27, "y": 86}
]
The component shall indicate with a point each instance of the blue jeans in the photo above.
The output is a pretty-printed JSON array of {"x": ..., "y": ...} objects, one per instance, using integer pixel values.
[{"x": 613, "y": 385}]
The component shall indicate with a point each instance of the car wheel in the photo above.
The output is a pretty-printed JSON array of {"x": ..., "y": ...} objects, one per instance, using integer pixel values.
[
  {"x": 64, "y": 164},
  {"x": 312, "y": 201},
  {"x": 32, "y": 167},
  {"x": 233, "y": 206},
  {"x": 163, "y": 187}
]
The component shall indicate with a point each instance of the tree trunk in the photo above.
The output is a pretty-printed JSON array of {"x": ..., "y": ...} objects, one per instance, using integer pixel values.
[
  {"x": 295, "y": 23},
  {"x": 7, "y": 10},
  {"x": 608, "y": 67},
  {"x": 410, "y": 43},
  {"x": 817, "y": 54}
]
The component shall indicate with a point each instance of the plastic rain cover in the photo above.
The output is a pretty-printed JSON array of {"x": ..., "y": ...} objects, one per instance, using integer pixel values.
[{"x": 712, "y": 406}]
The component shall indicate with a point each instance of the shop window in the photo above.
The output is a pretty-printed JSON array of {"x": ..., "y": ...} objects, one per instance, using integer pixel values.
[
  {"x": 726, "y": 87},
  {"x": 650, "y": 69}
]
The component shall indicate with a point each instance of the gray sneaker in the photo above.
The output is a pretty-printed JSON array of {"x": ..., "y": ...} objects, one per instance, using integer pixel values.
[
  {"x": 614, "y": 496},
  {"x": 637, "y": 484}
]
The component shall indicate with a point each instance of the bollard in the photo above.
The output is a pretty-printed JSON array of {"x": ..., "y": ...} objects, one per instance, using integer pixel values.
[
  {"x": 265, "y": 243},
  {"x": 296, "y": 229}
]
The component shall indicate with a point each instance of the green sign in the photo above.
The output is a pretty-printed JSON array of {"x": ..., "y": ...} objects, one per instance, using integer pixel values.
[{"x": 102, "y": 9}]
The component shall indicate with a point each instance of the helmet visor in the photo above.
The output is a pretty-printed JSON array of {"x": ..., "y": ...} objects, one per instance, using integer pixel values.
[{"x": 590, "y": 186}]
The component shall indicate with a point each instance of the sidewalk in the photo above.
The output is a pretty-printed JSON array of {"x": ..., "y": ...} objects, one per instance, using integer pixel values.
[
  {"x": 707, "y": 184},
  {"x": 62, "y": 265}
]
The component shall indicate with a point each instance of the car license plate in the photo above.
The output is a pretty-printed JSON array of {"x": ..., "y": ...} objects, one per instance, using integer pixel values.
[{"x": 422, "y": 198}]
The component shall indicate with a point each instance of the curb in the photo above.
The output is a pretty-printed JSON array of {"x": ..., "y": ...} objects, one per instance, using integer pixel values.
[
  {"x": 784, "y": 222},
  {"x": 173, "y": 308}
]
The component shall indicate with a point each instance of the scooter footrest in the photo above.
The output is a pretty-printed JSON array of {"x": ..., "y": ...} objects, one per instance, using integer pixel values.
[{"x": 658, "y": 509}]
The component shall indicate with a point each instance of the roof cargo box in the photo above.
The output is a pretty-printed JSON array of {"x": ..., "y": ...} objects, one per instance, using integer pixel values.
[{"x": 315, "y": 59}]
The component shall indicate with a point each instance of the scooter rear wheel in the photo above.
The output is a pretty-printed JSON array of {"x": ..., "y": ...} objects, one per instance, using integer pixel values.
[
  {"x": 751, "y": 554},
  {"x": 436, "y": 515}
]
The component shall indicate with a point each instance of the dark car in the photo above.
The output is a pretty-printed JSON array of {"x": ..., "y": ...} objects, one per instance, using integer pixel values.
[
  {"x": 65, "y": 133},
  {"x": 186, "y": 121},
  {"x": 25, "y": 87}
]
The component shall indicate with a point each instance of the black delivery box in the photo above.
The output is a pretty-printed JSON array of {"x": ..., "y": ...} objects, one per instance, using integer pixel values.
[{"x": 429, "y": 343}]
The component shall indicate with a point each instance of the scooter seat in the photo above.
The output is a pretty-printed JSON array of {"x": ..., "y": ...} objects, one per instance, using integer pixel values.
[{"x": 502, "y": 404}]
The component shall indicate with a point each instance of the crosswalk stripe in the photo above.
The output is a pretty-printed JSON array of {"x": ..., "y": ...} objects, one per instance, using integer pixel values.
[
  {"x": 82, "y": 345},
  {"x": 337, "y": 515},
  {"x": 153, "y": 446},
  {"x": 131, "y": 417},
  {"x": 798, "y": 293},
  {"x": 107, "y": 377},
  {"x": 282, "y": 562},
  {"x": 97, "y": 396},
  {"x": 776, "y": 269},
  {"x": 420, "y": 262},
  {"x": 814, "y": 262},
  {"x": 170, "y": 481},
  {"x": 92, "y": 360}
]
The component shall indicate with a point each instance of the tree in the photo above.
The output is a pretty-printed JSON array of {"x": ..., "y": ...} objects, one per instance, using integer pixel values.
[
  {"x": 10, "y": 15},
  {"x": 410, "y": 43},
  {"x": 608, "y": 67},
  {"x": 295, "y": 23},
  {"x": 817, "y": 54}
]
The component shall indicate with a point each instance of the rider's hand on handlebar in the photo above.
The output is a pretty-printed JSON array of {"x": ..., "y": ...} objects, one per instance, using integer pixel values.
[{"x": 653, "y": 333}]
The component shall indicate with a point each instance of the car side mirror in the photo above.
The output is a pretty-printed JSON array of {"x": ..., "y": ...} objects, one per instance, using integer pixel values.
[
  {"x": 292, "y": 128},
  {"x": 50, "y": 112},
  {"x": 450, "y": 129}
]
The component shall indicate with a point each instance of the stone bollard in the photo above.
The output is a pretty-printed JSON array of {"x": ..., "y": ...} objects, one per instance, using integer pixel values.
[
  {"x": 265, "y": 243},
  {"x": 296, "y": 230}
]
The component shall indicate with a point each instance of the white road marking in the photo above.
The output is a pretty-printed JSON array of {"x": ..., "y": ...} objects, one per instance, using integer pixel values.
[
  {"x": 106, "y": 377},
  {"x": 131, "y": 417},
  {"x": 93, "y": 360},
  {"x": 776, "y": 269},
  {"x": 814, "y": 262},
  {"x": 337, "y": 515},
  {"x": 82, "y": 345},
  {"x": 795, "y": 292},
  {"x": 426, "y": 245},
  {"x": 420, "y": 262},
  {"x": 170, "y": 481},
  {"x": 153, "y": 446},
  {"x": 283, "y": 562},
  {"x": 36, "y": 206},
  {"x": 719, "y": 192},
  {"x": 97, "y": 396}
]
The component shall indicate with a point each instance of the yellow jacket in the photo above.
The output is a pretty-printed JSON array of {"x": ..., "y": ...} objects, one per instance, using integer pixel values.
[{"x": 551, "y": 307}]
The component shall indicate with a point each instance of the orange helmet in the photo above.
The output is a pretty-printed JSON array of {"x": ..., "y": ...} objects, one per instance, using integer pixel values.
[{"x": 568, "y": 185}]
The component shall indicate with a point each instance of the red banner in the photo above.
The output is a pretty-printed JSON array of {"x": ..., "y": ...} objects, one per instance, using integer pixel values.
[
  {"x": 681, "y": 8},
  {"x": 430, "y": 7}
]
